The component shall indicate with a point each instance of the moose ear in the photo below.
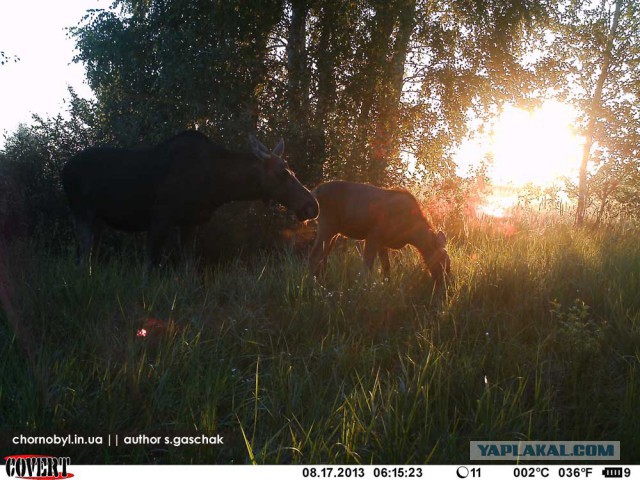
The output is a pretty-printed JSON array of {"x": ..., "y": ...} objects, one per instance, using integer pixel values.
[
  {"x": 253, "y": 143},
  {"x": 441, "y": 240},
  {"x": 258, "y": 149},
  {"x": 279, "y": 150}
]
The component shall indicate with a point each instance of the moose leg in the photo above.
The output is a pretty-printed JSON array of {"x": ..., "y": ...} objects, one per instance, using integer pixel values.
[
  {"x": 84, "y": 224},
  {"x": 369, "y": 255},
  {"x": 97, "y": 228},
  {"x": 315, "y": 257},
  {"x": 156, "y": 238},
  {"x": 320, "y": 250},
  {"x": 383, "y": 254},
  {"x": 85, "y": 238},
  {"x": 188, "y": 245},
  {"x": 327, "y": 251}
]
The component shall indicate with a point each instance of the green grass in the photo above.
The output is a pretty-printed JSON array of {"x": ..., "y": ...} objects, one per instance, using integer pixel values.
[{"x": 538, "y": 338}]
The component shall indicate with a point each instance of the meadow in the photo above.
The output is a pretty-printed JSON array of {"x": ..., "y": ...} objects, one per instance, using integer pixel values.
[{"x": 536, "y": 338}]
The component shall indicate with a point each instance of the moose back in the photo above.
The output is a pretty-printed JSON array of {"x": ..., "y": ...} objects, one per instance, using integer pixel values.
[{"x": 178, "y": 183}]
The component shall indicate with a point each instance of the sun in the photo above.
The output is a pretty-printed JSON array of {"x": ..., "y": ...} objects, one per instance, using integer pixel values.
[{"x": 535, "y": 147}]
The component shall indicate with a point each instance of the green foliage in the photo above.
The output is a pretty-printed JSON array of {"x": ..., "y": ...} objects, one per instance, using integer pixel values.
[
  {"x": 537, "y": 337},
  {"x": 577, "y": 48},
  {"x": 31, "y": 197},
  {"x": 159, "y": 67},
  {"x": 347, "y": 84}
]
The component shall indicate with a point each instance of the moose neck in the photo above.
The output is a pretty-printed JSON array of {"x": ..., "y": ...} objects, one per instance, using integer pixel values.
[
  {"x": 425, "y": 241},
  {"x": 240, "y": 180}
]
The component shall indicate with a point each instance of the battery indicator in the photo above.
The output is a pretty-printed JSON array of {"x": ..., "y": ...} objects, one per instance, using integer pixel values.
[{"x": 612, "y": 472}]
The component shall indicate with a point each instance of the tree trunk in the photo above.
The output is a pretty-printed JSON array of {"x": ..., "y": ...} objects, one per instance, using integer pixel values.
[
  {"x": 326, "y": 90},
  {"x": 371, "y": 78},
  {"x": 385, "y": 142},
  {"x": 603, "y": 206},
  {"x": 593, "y": 114},
  {"x": 298, "y": 84}
]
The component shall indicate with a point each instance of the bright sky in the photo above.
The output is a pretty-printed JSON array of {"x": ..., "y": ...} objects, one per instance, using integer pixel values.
[{"x": 35, "y": 31}]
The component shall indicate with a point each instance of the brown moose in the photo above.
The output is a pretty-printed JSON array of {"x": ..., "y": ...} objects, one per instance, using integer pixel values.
[{"x": 383, "y": 218}]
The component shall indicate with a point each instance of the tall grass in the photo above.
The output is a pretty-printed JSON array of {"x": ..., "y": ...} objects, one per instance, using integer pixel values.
[{"x": 537, "y": 338}]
